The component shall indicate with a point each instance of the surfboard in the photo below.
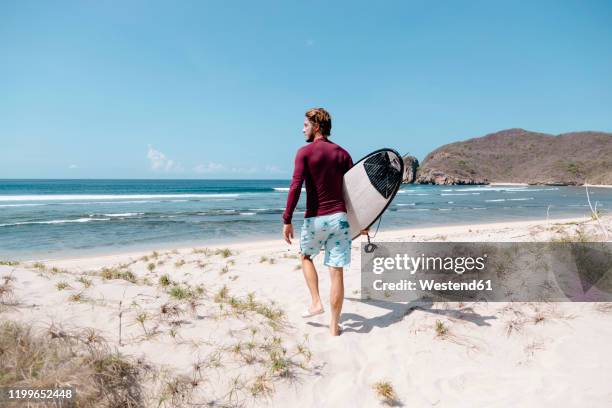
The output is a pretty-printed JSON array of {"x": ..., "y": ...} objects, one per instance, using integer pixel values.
[{"x": 370, "y": 186}]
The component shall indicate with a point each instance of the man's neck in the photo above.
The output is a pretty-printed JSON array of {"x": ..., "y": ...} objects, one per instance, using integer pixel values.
[{"x": 319, "y": 137}]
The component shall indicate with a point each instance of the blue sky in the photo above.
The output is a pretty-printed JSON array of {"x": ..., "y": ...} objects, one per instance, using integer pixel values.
[{"x": 218, "y": 89}]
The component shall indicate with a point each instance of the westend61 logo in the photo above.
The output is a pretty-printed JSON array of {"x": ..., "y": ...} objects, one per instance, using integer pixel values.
[{"x": 517, "y": 271}]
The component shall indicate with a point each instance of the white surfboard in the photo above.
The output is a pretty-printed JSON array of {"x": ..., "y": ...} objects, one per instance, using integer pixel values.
[{"x": 370, "y": 186}]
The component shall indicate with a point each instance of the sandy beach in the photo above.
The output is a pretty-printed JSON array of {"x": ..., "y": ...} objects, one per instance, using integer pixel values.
[{"x": 222, "y": 325}]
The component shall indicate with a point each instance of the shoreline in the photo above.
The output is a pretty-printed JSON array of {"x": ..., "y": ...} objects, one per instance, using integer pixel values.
[
  {"x": 597, "y": 185},
  {"x": 390, "y": 234}
]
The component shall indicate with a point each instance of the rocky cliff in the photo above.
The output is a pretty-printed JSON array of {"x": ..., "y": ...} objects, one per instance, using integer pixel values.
[{"x": 521, "y": 156}]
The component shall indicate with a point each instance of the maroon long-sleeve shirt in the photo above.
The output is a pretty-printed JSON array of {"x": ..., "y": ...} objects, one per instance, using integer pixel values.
[{"x": 322, "y": 165}]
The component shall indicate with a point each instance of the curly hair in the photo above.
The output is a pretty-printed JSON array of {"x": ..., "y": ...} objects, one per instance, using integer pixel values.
[{"x": 321, "y": 117}]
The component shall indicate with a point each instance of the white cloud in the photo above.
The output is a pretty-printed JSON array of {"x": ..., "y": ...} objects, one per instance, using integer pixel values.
[
  {"x": 73, "y": 166},
  {"x": 209, "y": 168},
  {"x": 212, "y": 167},
  {"x": 309, "y": 43},
  {"x": 160, "y": 162},
  {"x": 244, "y": 170},
  {"x": 272, "y": 169}
]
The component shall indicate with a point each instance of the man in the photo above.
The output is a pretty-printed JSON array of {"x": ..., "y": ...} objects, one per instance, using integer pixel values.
[{"x": 321, "y": 164}]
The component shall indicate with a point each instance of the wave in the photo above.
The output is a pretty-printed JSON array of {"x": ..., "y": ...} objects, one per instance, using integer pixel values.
[
  {"x": 129, "y": 214},
  {"x": 496, "y": 200},
  {"x": 403, "y": 205},
  {"x": 520, "y": 199},
  {"x": 489, "y": 189},
  {"x": 411, "y": 193},
  {"x": 21, "y": 205},
  {"x": 285, "y": 189},
  {"x": 54, "y": 221},
  {"x": 62, "y": 197},
  {"x": 502, "y": 189}
]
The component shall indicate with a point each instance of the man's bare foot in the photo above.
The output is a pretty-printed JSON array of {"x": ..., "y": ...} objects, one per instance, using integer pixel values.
[
  {"x": 313, "y": 310},
  {"x": 335, "y": 330},
  {"x": 316, "y": 308}
]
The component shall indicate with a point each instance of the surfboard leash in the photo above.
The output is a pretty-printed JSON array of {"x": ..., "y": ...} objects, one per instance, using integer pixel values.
[{"x": 370, "y": 247}]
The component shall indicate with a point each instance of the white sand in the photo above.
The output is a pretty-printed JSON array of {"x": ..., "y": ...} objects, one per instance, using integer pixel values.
[
  {"x": 508, "y": 184},
  {"x": 496, "y": 354},
  {"x": 599, "y": 185}
]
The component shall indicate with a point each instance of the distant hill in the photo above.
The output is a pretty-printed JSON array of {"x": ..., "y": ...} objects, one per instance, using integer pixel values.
[{"x": 521, "y": 156}]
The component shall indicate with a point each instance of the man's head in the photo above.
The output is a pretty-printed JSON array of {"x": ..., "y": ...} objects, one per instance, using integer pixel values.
[{"x": 317, "y": 121}]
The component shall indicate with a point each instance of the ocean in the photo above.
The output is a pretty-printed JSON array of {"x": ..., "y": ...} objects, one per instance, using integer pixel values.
[{"x": 57, "y": 218}]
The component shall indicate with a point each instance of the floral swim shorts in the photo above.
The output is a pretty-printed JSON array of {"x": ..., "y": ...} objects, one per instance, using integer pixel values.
[{"x": 330, "y": 232}]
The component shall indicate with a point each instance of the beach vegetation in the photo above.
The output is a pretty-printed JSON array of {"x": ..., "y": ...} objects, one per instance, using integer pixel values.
[
  {"x": 278, "y": 361},
  {"x": 224, "y": 270},
  {"x": 110, "y": 273},
  {"x": 269, "y": 260},
  {"x": 151, "y": 266},
  {"x": 85, "y": 281},
  {"x": 176, "y": 392},
  {"x": 441, "y": 329},
  {"x": 224, "y": 252},
  {"x": 56, "y": 270},
  {"x": 596, "y": 214},
  {"x": 261, "y": 386},
  {"x": 579, "y": 235},
  {"x": 141, "y": 318},
  {"x": 9, "y": 263},
  {"x": 7, "y": 291},
  {"x": 173, "y": 332},
  {"x": 164, "y": 280},
  {"x": 385, "y": 392},
  {"x": 222, "y": 294},
  {"x": 61, "y": 285},
  {"x": 79, "y": 359},
  {"x": 77, "y": 297},
  {"x": 179, "y": 263},
  {"x": 185, "y": 292},
  {"x": 202, "y": 251},
  {"x": 179, "y": 292}
]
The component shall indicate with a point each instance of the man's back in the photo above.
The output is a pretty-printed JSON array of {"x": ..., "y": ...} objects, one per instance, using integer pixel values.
[{"x": 321, "y": 164}]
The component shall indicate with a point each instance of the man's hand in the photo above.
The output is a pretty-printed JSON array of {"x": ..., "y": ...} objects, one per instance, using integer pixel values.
[
  {"x": 288, "y": 232},
  {"x": 365, "y": 231}
]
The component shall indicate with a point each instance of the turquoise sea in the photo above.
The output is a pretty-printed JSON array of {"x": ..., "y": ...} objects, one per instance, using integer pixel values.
[{"x": 56, "y": 218}]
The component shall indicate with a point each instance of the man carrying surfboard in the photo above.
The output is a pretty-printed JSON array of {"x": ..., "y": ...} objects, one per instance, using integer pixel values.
[{"x": 321, "y": 164}]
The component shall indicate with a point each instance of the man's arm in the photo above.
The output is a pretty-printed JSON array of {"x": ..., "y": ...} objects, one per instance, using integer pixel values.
[{"x": 295, "y": 188}]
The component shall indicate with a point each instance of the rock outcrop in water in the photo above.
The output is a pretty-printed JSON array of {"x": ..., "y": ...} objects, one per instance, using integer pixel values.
[
  {"x": 411, "y": 164},
  {"x": 521, "y": 156}
]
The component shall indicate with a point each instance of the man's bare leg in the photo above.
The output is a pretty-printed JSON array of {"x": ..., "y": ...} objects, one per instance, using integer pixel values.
[
  {"x": 312, "y": 280},
  {"x": 336, "y": 297}
]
